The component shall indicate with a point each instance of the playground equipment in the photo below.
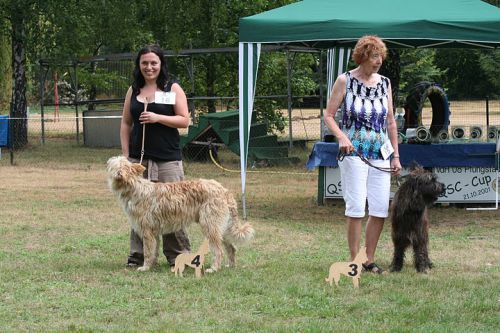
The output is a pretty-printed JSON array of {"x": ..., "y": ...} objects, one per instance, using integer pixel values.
[
  {"x": 440, "y": 107},
  {"x": 222, "y": 129}
]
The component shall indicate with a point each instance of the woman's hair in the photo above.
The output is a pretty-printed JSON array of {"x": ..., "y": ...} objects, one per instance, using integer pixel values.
[
  {"x": 162, "y": 79},
  {"x": 366, "y": 46}
]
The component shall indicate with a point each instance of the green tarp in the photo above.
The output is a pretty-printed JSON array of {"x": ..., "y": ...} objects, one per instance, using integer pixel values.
[
  {"x": 339, "y": 23},
  {"x": 327, "y": 23}
]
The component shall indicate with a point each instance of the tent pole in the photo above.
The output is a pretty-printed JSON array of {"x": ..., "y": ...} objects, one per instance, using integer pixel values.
[
  {"x": 244, "y": 203},
  {"x": 289, "y": 97},
  {"x": 321, "y": 96}
]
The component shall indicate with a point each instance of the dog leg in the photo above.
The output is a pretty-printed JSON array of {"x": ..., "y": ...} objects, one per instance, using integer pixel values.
[
  {"x": 212, "y": 217},
  {"x": 400, "y": 246},
  {"x": 150, "y": 248},
  {"x": 421, "y": 258},
  {"x": 175, "y": 270},
  {"x": 425, "y": 239},
  {"x": 216, "y": 246},
  {"x": 231, "y": 253}
]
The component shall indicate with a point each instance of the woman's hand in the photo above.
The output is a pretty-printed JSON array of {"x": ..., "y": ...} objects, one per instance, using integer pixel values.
[
  {"x": 345, "y": 145},
  {"x": 148, "y": 117},
  {"x": 395, "y": 166}
]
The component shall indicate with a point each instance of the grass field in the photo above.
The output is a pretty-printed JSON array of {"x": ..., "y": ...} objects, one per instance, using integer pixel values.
[{"x": 64, "y": 243}]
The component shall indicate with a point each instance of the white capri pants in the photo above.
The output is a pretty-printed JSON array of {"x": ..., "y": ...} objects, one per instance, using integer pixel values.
[{"x": 361, "y": 182}]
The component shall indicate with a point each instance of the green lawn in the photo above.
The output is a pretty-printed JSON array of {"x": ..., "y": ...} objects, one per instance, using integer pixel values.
[{"x": 64, "y": 243}]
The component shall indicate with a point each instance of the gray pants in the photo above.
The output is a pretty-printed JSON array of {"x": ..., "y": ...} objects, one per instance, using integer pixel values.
[{"x": 174, "y": 243}]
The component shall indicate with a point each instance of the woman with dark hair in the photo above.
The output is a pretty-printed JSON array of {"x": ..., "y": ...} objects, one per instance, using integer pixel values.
[
  {"x": 153, "y": 111},
  {"x": 368, "y": 144}
]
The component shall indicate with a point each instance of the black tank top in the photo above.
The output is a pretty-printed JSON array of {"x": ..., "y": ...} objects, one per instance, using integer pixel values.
[{"x": 161, "y": 142}]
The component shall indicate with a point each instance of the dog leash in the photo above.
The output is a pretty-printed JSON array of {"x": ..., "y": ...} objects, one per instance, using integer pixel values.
[
  {"x": 340, "y": 157},
  {"x": 143, "y": 131}
]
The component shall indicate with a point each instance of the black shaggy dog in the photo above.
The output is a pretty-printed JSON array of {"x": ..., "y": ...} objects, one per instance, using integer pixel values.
[{"x": 410, "y": 222}]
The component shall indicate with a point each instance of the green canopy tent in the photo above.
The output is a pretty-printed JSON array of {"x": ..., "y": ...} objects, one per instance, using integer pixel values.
[{"x": 337, "y": 24}]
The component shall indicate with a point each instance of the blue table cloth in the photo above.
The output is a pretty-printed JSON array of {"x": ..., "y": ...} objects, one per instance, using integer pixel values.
[{"x": 430, "y": 155}]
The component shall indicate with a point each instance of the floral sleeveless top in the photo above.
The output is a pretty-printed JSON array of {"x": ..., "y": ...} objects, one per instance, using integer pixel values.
[{"x": 364, "y": 114}]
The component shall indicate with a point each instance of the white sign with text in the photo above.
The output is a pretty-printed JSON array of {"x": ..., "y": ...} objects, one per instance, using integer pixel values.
[{"x": 463, "y": 184}]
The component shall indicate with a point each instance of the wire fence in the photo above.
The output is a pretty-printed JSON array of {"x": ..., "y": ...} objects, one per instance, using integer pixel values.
[{"x": 100, "y": 128}]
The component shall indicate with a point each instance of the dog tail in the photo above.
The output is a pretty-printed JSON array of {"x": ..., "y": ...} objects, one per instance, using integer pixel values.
[
  {"x": 240, "y": 233},
  {"x": 237, "y": 232}
]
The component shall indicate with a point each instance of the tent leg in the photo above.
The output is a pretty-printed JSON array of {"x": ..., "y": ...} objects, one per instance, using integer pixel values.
[{"x": 244, "y": 203}]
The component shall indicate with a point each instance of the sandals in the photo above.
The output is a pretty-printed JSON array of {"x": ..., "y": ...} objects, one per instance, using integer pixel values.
[{"x": 373, "y": 268}]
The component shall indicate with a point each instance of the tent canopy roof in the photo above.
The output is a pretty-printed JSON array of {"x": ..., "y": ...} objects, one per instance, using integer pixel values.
[{"x": 422, "y": 23}]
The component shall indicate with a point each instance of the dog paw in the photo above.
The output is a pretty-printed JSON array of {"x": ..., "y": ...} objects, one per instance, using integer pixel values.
[
  {"x": 210, "y": 270},
  {"x": 424, "y": 270},
  {"x": 143, "y": 269}
]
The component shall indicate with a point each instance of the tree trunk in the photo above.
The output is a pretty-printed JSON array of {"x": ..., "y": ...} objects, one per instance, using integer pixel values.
[
  {"x": 19, "y": 126},
  {"x": 5, "y": 72}
]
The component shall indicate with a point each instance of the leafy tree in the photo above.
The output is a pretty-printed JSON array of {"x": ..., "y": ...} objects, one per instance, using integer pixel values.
[
  {"x": 489, "y": 61},
  {"x": 391, "y": 68},
  {"x": 493, "y": 2},
  {"x": 418, "y": 65},
  {"x": 63, "y": 30},
  {"x": 91, "y": 28},
  {"x": 273, "y": 81},
  {"x": 18, "y": 19},
  {"x": 204, "y": 24},
  {"x": 464, "y": 76}
]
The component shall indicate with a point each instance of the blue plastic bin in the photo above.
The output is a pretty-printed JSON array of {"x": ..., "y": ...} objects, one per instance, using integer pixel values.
[{"x": 4, "y": 131}]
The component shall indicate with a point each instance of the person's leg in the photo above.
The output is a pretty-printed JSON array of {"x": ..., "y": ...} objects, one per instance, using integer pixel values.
[
  {"x": 353, "y": 235},
  {"x": 379, "y": 184},
  {"x": 354, "y": 175},
  {"x": 136, "y": 256},
  {"x": 177, "y": 242},
  {"x": 373, "y": 230}
]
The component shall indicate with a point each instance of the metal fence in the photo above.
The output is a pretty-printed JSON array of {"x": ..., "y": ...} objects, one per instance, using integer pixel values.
[{"x": 100, "y": 127}]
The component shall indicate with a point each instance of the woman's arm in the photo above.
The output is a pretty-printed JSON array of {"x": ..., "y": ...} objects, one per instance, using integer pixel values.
[
  {"x": 126, "y": 124},
  {"x": 181, "y": 117},
  {"x": 336, "y": 98}
]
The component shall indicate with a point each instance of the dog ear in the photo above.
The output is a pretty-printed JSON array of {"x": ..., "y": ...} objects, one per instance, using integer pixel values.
[{"x": 138, "y": 168}]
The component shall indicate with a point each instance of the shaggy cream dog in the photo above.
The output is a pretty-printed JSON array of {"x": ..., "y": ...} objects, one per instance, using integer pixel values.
[{"x": 154, "y": 209}]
